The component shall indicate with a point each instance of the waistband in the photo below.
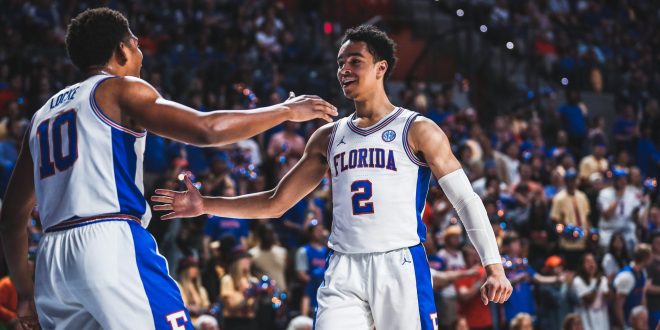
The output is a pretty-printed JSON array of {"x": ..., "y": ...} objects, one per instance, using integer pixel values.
[{"x": 79, "y": 222}]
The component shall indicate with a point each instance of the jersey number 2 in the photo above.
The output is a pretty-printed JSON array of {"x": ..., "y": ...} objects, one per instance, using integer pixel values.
[
  {"x": 65, "y": 152},
  {"x": 362, "y": 193}
]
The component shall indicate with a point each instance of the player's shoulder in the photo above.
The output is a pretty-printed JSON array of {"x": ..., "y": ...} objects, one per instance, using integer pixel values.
[{"x": 319, "y": 140}]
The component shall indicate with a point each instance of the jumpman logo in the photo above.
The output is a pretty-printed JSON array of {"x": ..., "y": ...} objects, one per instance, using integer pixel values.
[
  {"x": 341, "y": 142},
  {"x": 405, "y": 261}
]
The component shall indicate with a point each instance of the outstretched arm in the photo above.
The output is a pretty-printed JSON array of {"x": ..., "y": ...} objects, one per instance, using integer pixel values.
[
  {"x": 298, "y": 183},
  {"x": 17, "y": 205},
  {"x": 429, "y": 142},
  {"x": 150, "y": 110}
]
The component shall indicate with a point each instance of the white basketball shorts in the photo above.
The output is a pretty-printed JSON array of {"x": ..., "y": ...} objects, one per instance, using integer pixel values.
[
  {"x": 389, "y": 291},
  {"x": 105, "y": 273}
]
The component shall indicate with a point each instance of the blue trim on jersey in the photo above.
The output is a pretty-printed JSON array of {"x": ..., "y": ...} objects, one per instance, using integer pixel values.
[
  {"x": 96, "y": 109},
  {"x": 423, "y": 178},
  {"x": 131, "y": 200},
  {"x": 161, "y": 290},
  {"x": 330, "y": 142},
  {"x": 411, "y": 155},
  {"x": 424, "y": 287},
  {"x": 327, "y": 264},
  {"x": 379, "y": 126}
]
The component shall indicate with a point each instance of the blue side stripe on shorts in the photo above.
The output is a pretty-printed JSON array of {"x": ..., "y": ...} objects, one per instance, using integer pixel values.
[
  {"x": 424, "y": 287},
  {"x": 162, "y": 292}
]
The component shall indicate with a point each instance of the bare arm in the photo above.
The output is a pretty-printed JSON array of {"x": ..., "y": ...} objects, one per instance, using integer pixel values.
[
  {"x": 544, "y": 279},
  {"x": 429, "y": 142},
  {"x": 619, "y": 299},
  {"x": 17, "y": 205},
  {"x": 298, "y": 183},
  {"x": 176, "y": 121}
]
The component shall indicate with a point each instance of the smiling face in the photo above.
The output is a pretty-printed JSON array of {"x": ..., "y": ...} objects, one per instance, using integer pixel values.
[{"x": 358, "y": 73}]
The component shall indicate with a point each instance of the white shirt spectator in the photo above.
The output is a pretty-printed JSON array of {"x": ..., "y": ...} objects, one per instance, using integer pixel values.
[
  {"x": 622, "y": 219},
  {"x": 454, "y": 262},
  {"x": 594, "y": 316},
  {"x": 609, "y": 264}
]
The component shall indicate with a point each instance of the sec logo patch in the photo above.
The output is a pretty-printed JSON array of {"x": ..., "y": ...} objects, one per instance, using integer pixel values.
[{"x": 389, "y": 135}]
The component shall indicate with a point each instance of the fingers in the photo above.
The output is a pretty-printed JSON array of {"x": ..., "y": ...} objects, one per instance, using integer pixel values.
[
  {"x": 29, "y": 323},
  {"x": 484, "y": 294},
  {"x": 166, "y": 192},
  {"x": 162, "y": 199},
  {"x": 326, "y": 107},
  {"x": 169, "y": 216},
  {"x": 163, "y": 207},
  {"x": 189, "y": 183}
]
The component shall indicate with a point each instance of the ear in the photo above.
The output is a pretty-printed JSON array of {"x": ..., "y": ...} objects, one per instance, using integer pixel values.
[
  {"x": 381, "y": 68},
  {"x": 120, "y": 53}
]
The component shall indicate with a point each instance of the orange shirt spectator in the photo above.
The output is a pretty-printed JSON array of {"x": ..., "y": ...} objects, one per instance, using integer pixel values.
[
  {"x": 8, "y": 301},
  {"x": 470, "y": 305}
]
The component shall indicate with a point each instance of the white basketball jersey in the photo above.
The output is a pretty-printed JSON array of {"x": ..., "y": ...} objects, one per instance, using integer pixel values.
[
  {"x": 85, "y": 164},
  {"x": 378, "y": 186}
]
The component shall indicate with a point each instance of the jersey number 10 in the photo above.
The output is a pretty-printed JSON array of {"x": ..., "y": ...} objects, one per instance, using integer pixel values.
[
  {"x": 64, "y": 125},
  {"x": 362, "y": 193}
]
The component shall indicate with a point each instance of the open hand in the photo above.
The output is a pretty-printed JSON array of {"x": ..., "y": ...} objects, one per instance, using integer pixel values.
[
  {"x": 183, "y": 204},
  {"x": 308, "y": 107}
]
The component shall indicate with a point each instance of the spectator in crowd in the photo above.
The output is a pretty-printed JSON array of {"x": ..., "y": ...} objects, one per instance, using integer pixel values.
[
  {"x": 217, "y": 227},
  {"x": 617, "y": 204},
  {"x": 629, "y": 284},
  {"x": 522, "y": 277},
  {"x": 592, "y": 289},
  {"x": 653, "y": 283},
  {"x": 310, "y": 265},
  {"x": 573, "y": 116},
  {"x": 8, "y": 304},
  {"x": 238, "y": 289},
  {"x": 553, "y": 299},
  {"x": 595, "y": 162},
  {"x": 461, "y": 323},
  {"x": 470, "y": 306},
  {"x": 285, "y": 148},
  {"x": 572, "y": 321},
  {"x": 268, "y": 257},
  {"x": 454, "y": 261},
  {"x": 570, "y": 211},
  {"x": 301, "y": 323},
  {"x": 639, "y": 319},
  {"x": 194, "y": 295},
  {"x": 206, "y": 322},
  {"x": 522, "y": 321},
  {"x": 616, "y": 256}
]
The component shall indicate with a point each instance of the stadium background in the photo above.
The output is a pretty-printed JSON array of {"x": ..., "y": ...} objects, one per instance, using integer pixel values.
[{"x": 527, "y": 91}]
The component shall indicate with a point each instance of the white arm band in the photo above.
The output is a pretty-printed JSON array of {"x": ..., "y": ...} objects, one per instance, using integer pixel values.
[{"x": 472, "y": 213}]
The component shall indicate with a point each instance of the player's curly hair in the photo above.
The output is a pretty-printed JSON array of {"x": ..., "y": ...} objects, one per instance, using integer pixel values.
[
  {"x": 93, "y": 35},
  {"x": 379, "y": 44}
]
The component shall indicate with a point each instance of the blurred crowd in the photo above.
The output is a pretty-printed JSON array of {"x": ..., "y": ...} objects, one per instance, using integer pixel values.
[
  {"x": 604, "y": 45},
  {"x": 573, "y": 201}
]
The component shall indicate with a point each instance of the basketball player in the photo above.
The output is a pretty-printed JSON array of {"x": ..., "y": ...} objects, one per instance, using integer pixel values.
[
  {"x": 97, "y": 266},
  {"x": 380, "y": 159}
]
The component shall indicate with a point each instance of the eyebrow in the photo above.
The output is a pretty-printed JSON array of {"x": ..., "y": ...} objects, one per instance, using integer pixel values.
[{"x": 349, "y": 55}]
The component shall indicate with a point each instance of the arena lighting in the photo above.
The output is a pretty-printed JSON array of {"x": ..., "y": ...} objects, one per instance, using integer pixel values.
[
  {"x": 327, "y": 28},
  {"x": 460, "y": 12},
  {"x": 509, "y": 45},
  {"x": 564, "y": 81},
  {"x": 483, "y": 28}
]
